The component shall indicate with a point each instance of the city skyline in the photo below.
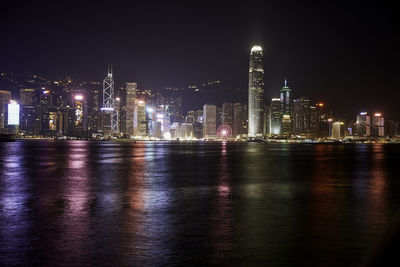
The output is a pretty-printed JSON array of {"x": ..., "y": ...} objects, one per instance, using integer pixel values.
[{"x": 342, "y": 54}]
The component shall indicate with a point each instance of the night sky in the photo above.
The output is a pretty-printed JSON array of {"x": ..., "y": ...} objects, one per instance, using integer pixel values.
[{"x": 344, "y": 53}]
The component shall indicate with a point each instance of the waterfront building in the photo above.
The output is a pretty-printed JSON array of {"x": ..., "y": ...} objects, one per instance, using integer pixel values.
[
  {"x": 227, "y": 114},
  {"x": 239, "y": 120},
  {"x": 301, "y": 116},
  {"x": 78, "y": 114},
  {"x": 275, "y": 117},
  {"x": 378, "y": 125},
  {"x": 5, "y": 97},
  {"x": 286, "y": 128},
  {"x": 286, "y": 101},
  {"x": 131, "y": 88},
  {"x": 363, "y": 124},
  {"x": 139, "y": 119},
  {"x": 209, "y": 121},
  {"x": 338, "y": 130},
  {"x": 256, "y": 92}
]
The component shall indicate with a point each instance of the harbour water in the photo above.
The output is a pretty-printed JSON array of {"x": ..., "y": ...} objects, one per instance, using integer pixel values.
[{"x": 164, "y": 203}]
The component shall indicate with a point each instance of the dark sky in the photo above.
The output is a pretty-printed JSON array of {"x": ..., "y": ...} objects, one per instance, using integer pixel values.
[{"x": 345, "y": 53}]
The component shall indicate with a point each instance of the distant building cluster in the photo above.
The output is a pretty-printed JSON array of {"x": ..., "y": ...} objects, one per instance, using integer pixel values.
[{"x": 67, "y": 109}]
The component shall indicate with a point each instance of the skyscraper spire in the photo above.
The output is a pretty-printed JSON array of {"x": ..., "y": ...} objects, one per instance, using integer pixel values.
[{"x": 285, "y": 82}]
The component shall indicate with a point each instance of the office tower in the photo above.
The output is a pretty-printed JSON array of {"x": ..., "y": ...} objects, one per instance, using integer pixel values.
[
  {"x": 219, "y": 116},
  {"x": 78, "y": 113},
  {"x": 139, "y": 119},
  {"x": 275, "y": 116},
  {"x": 286, "y": 101},
  {"x": 45, "y": 103},
  {"x": 239, "y": 120},
  {"x": 5, "y": 97},
  {"x": 378, "y": 125},
  {"x": 186, "y": 131},
  {"x": 256, "y": 92},
  {"x": 109, "y": 113},
  {"x": 286, "y": 126},
  {"x": 313, "y": 122},
  {"x": 13, "y": 111},
  {"x": 392, "y": 128},
  {"x": 227, "y": 114},
  {"x": 363, "y": 124},
  {"x": 209, "y": 121},
  {"x": 338, "y": 130},
  {"x": 323, "y": 116},
  {"x": 130, "y": 107},
  {"x": 301, "y": 116},
  {"x": 28, "y": 110},
  {"x": 286, "y": 109}
]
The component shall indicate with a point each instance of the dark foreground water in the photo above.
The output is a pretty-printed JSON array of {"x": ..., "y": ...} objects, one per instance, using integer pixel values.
[{"x": 146, "y": 204}]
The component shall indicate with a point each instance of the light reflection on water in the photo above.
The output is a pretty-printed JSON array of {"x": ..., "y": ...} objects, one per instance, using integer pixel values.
[{"x": 87, "y": 203}]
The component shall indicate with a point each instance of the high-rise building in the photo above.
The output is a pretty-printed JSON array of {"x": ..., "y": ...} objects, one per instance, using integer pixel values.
[
  {"x": 363, "y": 124},
  {"x": 5, "y": 97},
  {"x": 209, "y": 121},
  {"x": 28, "y": 110},
  {"x": 139, "y": 119},
  {"x": 286, "y": 101},
  {"x": 239, "y": 120},
  {"x": 338, "y": 130},
  {"x": 130, "y": 107},
  {"x": 227, "y": 114},
  {"x": 301, "y": 116},
  {"x": 378, "y": 125},
  {"x": 275, "y": 117},
  {"x": 256, "y": 92}
]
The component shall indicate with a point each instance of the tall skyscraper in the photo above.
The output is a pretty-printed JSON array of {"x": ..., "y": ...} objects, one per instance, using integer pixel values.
[
  {"x": 5, "y": 97},
  {"x": 378, "y": 125},
  {"x": 286, "y": 101},
  {"x": 209, "y": 121},
  {"x": 239, "y": 120},
  {"x": 130, "y": 107},
  {"x": 227, "y": 114},
  {"x": 275, "y": 117},
  {"x": 256, "y": 92},
  {"x": 301, "y": 116},
  {"x": 363, "y": 124},
  {"x": 286, "y": 109}
]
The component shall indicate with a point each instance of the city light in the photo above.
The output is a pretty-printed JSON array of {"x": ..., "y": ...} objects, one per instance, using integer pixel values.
[
  {"x": 150, "y": 110},
  {"x": 13, "y": 113},
  {"x": 78, "y": 97},
  {"x": 378, "y": 114},
  {"x": 363, "y": 113}
]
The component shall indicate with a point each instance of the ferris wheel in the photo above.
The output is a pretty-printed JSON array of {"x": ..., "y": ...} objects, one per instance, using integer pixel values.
[{"x": 224, "y": 132}]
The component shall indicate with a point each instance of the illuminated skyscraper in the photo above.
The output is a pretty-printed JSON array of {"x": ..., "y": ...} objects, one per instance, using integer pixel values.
[
  {"x": 301, "y": 116},
  {"x": 209, "y": 121},
  {"x": 256, "y": 92},
  {"x": 286, "y": 101},
  {"x": 378, "y": 125},
  {"x": 130, "y": 107},
  {"x": 139, "y": 119},
  {"x": 5, "y": 97},
  {"x": 286, "y": 109},
  {"x": 363, "y": 124},
  {"x": 275, "y": 117}
]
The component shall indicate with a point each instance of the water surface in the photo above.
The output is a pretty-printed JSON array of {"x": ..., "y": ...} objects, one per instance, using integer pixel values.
[{"x": 158, "y": 203}]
